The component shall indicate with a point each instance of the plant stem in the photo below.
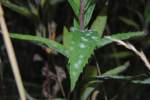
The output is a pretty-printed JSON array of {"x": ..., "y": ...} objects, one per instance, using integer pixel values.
[
  {"x": 11, "y": 55},
  {"x": 62, "y": 89},
  {"x": 97, "y": 66},
  {"x": 81, "y": 17},
  {"x": 95, "y": 93}
]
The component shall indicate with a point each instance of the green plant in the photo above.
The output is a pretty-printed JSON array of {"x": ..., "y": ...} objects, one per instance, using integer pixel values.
[
  {"x": 144, "y": 17},
  {"x": 80, "y": 41},
  {"x": 32, "y": 10}
]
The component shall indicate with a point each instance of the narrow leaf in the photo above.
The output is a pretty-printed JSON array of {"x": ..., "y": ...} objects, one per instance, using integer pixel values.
[
  {"x": 19, "y": 9},
  {"x": 88, "y": 14},
  {"x": 146, "y": 81},
  {"x": 121, "y": 36},
  {"x": 59, "y": 99},
  {"x": 132, "y": 79},
  {"x": 75, "y": 7},
  {"x": 76, "y": 23},
  {"x": 104, "y": 77},
  {"x": 49, "y": 43},
  {"x": 33, "y": 9},
  {"x": 129, "y": 22},
  {"x": 120, "y": 55},
  {"x": 146, "y": 13},
  {"x": 117, "y": 70},
  {"x": 42, "y": 2},
  {"x": 77, "y": 2},
  {"x": 87, "y": 93},
  {"x": 99, "y": 24}
]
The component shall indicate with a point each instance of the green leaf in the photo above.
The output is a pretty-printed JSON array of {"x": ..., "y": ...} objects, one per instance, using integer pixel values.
[
  {"x": 129, "y": 22},
  {"x": 79, "y": 49},
  {"x": 90, "y": 71},
  {"x": 88, "y": 14},
  {"x": 76, "y": 23},
  {"x": 104, "y": 77},
  {"x": 87, "y": 93},
  {"x": 99, "y": 24},
  {"x": 77, "y": 2},
  {"x": 59, "y": 99},
  {"x": 67, "y": 36},
  {"x": 89, "y": 6},
  {"x": 34, "y": 9},
  {"x": 88, "y": 88},
  {"x": 75, "y": 7},
  {"x": 146, "y": 13},
  {"x": 121, "y": 36},
  {"x": 42, "y": 2},
  {"x": 49, "y": 43},
  {"x": 120, "y": 55},
  {"x": 146, "y": 81},
  {"x": 131, "y": 79},
  {"x": 54, "y": 2},
  {"x": 88, "y": 3},
  {"x": 117, "y": 70},
  {"x": 19, "y": 9}
]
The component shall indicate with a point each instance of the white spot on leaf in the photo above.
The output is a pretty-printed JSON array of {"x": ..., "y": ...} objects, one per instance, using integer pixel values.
[
  {"x": 93, "y": 37},
  {"x": 74, "y": 73},
  {"x": 81, "y": 56},
  {"x": 90, "y": 30},
  {"x": 77, "y": 64},
  {"x": 82, "y": 31},
  {"x": 88, "y": 34},
  {"x": 84, "y": 39},
  {"x": 82, "y": 45},
  {"x": 73, "y": 29}
]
